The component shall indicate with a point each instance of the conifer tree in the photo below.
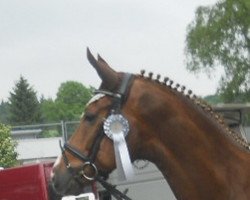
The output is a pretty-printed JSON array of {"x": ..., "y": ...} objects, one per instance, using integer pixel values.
[
  {"x": 24, "y": 105},
  {"x": 4, "y": 112}
]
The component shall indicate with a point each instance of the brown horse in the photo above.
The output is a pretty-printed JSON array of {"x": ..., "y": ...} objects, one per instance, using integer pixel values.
[{"x": 195, "y": 151}]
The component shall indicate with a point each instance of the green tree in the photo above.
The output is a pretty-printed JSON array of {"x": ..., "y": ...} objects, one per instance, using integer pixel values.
[
  {"x": 72, "y": 92},
  {"x": 219, "y": 36},
  {"x": 49, "y": 111},
  {"x": 24, "y": 105},
  {"x": 213, "y": 99},
  {"x": 71, "y": 99},
  {"x": 69, "y": 104},
  {"x": 8, "y": 154},
  {"x": 4, "y": 112}
]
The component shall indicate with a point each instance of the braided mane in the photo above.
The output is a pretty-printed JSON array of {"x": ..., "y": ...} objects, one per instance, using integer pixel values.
[{"x": 197, "y": 101}]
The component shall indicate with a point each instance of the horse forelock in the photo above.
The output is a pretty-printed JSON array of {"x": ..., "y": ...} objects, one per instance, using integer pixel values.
[{"x": 95, "y": 98}]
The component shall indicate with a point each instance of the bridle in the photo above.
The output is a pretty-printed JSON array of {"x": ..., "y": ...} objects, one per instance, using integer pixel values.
[{"x": 119, "y": 98}]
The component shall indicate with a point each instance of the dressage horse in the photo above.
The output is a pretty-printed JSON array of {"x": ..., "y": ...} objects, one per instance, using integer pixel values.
[{"x": 199, "y": 156}]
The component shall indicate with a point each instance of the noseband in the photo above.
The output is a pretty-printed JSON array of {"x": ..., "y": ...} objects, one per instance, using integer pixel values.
[{"x": 119, "y": 99}]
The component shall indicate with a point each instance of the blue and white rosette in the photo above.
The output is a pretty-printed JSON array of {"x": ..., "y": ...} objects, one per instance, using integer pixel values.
[{"x": 116, "y": 127}]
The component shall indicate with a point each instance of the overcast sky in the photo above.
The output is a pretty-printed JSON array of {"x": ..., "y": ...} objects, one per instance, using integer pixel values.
[{"x": 45, "y": 41}]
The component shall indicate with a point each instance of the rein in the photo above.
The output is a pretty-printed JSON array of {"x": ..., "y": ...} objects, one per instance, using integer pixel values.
[{"x": 118, "y": 100}]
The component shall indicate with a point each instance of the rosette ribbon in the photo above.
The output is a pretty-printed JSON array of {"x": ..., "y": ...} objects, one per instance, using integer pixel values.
[{"x": 116, "y": 127}]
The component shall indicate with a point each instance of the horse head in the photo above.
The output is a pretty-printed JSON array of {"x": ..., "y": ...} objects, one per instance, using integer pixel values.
[{"x": 89, "y": 151}]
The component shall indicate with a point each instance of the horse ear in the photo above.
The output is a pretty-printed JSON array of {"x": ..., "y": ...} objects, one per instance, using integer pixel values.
[
  {"x": 106, "y": 73},
  {"x": 101, "y": 59}
]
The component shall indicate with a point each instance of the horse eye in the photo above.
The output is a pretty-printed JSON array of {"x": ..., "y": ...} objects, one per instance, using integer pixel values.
[{"x": 89, "y": 117}]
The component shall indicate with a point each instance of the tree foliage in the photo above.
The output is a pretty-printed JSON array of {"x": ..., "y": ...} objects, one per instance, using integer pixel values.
[
  {"x": 213, "y": 99},
  {"x": 50, "y": 111},
  {"x": 69, "y": 104},
  {"x": 71, "y": 98},
  {"x": 8, "y": 154},
  {"x": 24, "y": 105},
  {"x": 219, "y": 36},
  {"x": 4, "y": 112}
]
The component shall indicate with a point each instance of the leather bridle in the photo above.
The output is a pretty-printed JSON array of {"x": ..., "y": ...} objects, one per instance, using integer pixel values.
[{"x": 119, "y": 99}]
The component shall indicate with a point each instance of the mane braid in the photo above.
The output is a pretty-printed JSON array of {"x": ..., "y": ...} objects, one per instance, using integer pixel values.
[{"x": 199, "y": 102}]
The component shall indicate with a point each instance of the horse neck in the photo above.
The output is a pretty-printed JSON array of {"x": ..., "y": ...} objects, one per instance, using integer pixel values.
[{"x": 191, "y": 149}]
